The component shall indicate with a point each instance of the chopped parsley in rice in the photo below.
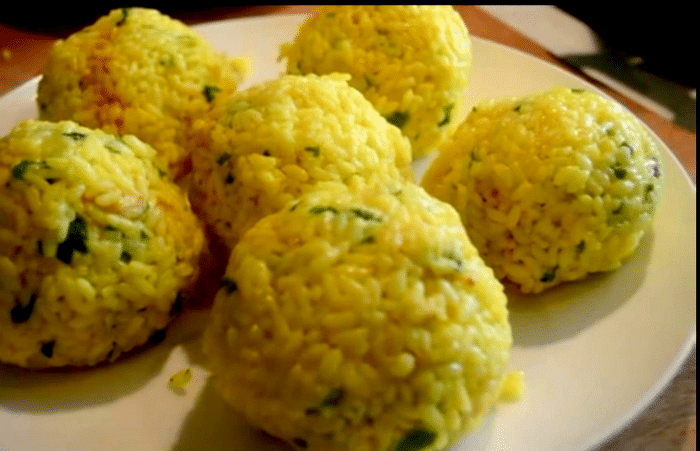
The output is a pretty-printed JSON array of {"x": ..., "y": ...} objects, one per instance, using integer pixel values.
[
  {"x": 96, "y": 247},
  {"x": 272, "y": 142},
  {"x": 551, "y": 186},
  {"x": 138, "y": 71},
  {"x": 412, "y": 62},
  {"x": 331, "y": 340}
]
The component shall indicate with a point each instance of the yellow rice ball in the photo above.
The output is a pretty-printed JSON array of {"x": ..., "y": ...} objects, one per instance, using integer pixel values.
[
  {"x": 360, "y": 317},
  {"x": 413, "y": 62},
  {"x": 97, "y": 249},
  {"x": 277, "y": 139},
  {"x": 551, "y": 186},
  {"x": 137, "y": 71}
]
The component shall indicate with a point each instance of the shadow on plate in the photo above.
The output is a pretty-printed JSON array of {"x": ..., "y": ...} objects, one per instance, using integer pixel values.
[
  {"x": 211, "y": 420},
  {"x": 213, "y": 423},
  {"x": 66, "y": 389},
  {"x": 565, "y": 310}
]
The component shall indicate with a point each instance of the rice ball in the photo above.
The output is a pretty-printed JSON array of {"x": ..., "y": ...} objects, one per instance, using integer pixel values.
[
  {"x": 551, "y": 186},
  {"x": 275, "y": 140},
  {"x": 97, "y": 249},
  {"x": 137, "y": 71},
  {"x": 412, "y": 62},
  {"x": 360, "y": 318}
]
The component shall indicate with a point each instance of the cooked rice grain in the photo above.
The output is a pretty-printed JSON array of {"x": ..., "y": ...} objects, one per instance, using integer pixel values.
[
  {"x": 412, "y": 62},
  {"x": 551, "y": 186},
  {"x": 137, "y": 71},
  {"x": 358, "y": 318},
  {"x": 96, "y": 248},
  {"x": 276, "y": 140}
]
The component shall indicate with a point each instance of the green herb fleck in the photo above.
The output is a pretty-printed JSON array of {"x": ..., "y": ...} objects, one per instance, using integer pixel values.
[
  {"x": 648, "y": 188},
  {"x": 21, "y": 313},
  {"x": 578, "y": 90},
  {"x": 186, "y": 40},
  {"x": 368, "y": 240},
  {"x": 210, "y": 92},
  {"x": 398, "y": 118},
  {"x": 366, "y": 215},
  {"x": 75, "y": 241},
  {"x": 40, "y": 247},
  {"x": 167, "y": 60},
  {"x": 454, "y": 259},
  {"x": 47, "y": 348},
  {"x": 416, "y": 440},
  {"x": 320, "y": 210},
  {"x": 125, "y": 257},
  {"x": 608, "y": 128},
  {"x": 447, "y": 115},
  {"x": 618, "y": 210},
  {"x": 229, "y": 285},
  {"x": 549, "y": 275},
  {"x": 620, "y": 173},
  {"x": 125, "y": 12},
  {"x": 144, "y": 236},
  {"x": 223, "y": 158},
  {"x": 75, "y": 136},
  {"x": 315, "y": 150},
  {"x": 334, "y": 398},
  {"x": 229, "y": 179},
  {"x": 21, "y": 168},
  {"x": 112, "y": 148},
  {"x": 581, "y": 246},
  {"x": 518, "y": 108}
]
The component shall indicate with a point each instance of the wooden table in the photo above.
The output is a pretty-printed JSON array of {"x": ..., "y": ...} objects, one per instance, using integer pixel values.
[{"x": 669, "y": 424}]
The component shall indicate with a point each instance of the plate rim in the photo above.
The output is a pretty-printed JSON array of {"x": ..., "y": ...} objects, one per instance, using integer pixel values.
[
  {"x": 689, "y": 344},
  {"x": 659, "y": 387}
]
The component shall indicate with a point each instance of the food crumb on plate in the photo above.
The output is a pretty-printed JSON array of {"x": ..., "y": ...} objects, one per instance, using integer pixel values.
[
  {"x": 178, "y": 380},
  {"x": 513, "y": 386}
]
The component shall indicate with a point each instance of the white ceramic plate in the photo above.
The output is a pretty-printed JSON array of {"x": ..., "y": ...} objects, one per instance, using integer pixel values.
[{"x": 595, "y": 354}]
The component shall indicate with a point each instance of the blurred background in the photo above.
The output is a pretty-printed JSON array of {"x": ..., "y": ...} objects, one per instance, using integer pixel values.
[
  {"x": 661, "y": 38},
  {"x": 642, "y": 53},
  {"x": 653, "y": 34},
  {"x": 59, "y": 20}
]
